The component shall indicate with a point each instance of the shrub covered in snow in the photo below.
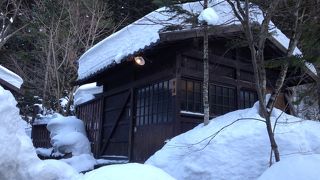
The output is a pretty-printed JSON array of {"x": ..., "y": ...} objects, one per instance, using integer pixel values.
[
  {"x": 18, "y": 158},
  {"x": 239, "y": 151},
  {"x": 68, "y": 136}
]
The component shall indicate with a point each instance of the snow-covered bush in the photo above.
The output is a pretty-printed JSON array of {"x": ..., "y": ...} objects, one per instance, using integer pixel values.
[
  {"x": 240, "y": 151},
  {"x": 68, "y": 136}
]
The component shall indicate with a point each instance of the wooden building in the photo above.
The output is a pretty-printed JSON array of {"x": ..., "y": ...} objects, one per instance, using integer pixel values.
[{"x": 144, "y": 105}]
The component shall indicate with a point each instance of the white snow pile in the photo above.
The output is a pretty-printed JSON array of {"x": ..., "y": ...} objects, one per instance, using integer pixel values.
[
  {"x": 18, "y": 158},
  {"x": 241, "y": 150},
  {"x": 145, "y": 32},
  {"x": 209, "y": 15},
  {"x": 133, "y": 171},
  {"x": 86, "y": 93},
  {"x": 10, "y": 77},
  {"x": 68, "y": 136},
  {"x": 294, "y": 168}
]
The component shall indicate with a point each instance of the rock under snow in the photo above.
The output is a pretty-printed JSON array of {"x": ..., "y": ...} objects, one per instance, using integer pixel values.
[
  {"x": 209, "y": 15},
  {"x": 10, "y": 77},
  {"x": 86, "y": 93},
  {"x": 297, "y": 167},
  {"x": 68, "y": 135},
  {"x": 18, "y": 157},
  {"x": 239, "y": 151},
  {"x": 132, "y": 171}
]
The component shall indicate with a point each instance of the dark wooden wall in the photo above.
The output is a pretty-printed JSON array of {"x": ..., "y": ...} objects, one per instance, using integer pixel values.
[
  {"x": 91, "y": 113},
  {"x": 40, "y": 136},
  {"x": 111, "y": 120}
]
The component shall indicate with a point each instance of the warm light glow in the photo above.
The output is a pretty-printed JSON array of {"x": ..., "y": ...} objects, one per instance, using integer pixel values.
[{"x": 139, "y": 60}]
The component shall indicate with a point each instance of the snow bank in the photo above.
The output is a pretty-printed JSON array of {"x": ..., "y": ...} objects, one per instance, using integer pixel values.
[
  {"x": 86, "y": 93},
  {"x": 132, "y": 171},
  {"x": 45, "y": 152},
  {"x": 18, "y": 158},
  {"x": 10, "y": 77},
  {"x": 294, "y": 168},
  {"x": 68, "y": 135},
  {"x": 82, "y": 162},
  {"x": 239, "y": 151}
]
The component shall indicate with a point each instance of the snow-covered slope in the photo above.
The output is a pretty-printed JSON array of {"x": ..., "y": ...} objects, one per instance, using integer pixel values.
[
  {"x": 18, "y": 157},
  {"x": 10, "y": 77},
  {"x": 132, "y": 171},
  {"x": 145, "y": 32},
  {"x": 297, "y": 167},
  {"x": 240, "y": 151}
]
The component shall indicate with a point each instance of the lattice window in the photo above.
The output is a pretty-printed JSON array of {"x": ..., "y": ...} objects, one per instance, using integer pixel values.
[
  {"x": 191, "y": 96},
  {"x": 154, "y": 104},
  {"x": 222, "y": 99},
  {"x": 247, "y": 98}
]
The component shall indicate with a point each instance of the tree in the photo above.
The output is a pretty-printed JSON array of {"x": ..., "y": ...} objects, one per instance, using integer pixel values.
[
  {"x": 45, "y": 53},
  {"x": 9, "y": 10},
  {"x": 206, "y": 107},
  {"x": 256, "y": 37}
]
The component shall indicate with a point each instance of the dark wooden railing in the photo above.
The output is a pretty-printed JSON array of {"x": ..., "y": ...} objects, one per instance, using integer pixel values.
[
  {"x": 91, "y": 113},
  {"x": 40, "y": 136}
]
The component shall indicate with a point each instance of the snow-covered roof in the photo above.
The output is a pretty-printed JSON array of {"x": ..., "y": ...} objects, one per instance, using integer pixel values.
[
  {"x": 145, "y": 33},
  {"x": 86, "y": 93},
  {"x": 10, "y": 77}
]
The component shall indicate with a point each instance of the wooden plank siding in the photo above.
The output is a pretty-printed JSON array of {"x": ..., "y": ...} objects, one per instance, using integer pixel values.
[
  {"x": 113, "y": 120},
  {"x": 40, "y": 136},
  {"x": 91, "y": 114}
]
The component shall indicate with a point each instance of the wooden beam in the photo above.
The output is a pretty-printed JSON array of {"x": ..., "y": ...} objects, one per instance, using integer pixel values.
[
  {"x": 219, "y": 31},
  {"x": 131, "y": 125}
]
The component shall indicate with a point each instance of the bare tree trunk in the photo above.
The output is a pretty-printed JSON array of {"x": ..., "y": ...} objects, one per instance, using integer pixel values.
[
  {"x": 206, "y": 108},
  {"x": 256, "y": 46}
]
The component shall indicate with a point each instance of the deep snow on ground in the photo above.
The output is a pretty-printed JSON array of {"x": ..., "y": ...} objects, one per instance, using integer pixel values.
[
  {"x": 133, "y": 171},
  {"x": 297, "y": 167},
  {"x": 18, "y": 157},
  {"x": 239, "y": 151}
]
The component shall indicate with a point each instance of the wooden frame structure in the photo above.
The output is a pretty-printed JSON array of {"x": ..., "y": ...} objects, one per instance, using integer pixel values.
[{"x": 143, "y": 106}]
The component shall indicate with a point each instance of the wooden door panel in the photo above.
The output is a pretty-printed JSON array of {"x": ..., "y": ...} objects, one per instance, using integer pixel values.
[{"x": 115, "y": 133}]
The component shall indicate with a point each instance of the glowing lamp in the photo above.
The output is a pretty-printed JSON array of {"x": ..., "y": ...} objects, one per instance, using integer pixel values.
[{"x": 139, "y": 60}]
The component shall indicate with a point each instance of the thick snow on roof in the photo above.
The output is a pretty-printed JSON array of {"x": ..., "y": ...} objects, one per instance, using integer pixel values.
[
  {"x": 10, "y": 77},
  {"x": 86, "y": 93},
  {"x": 145, "y": 32},
  {"x": 209, "y": 15}
]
